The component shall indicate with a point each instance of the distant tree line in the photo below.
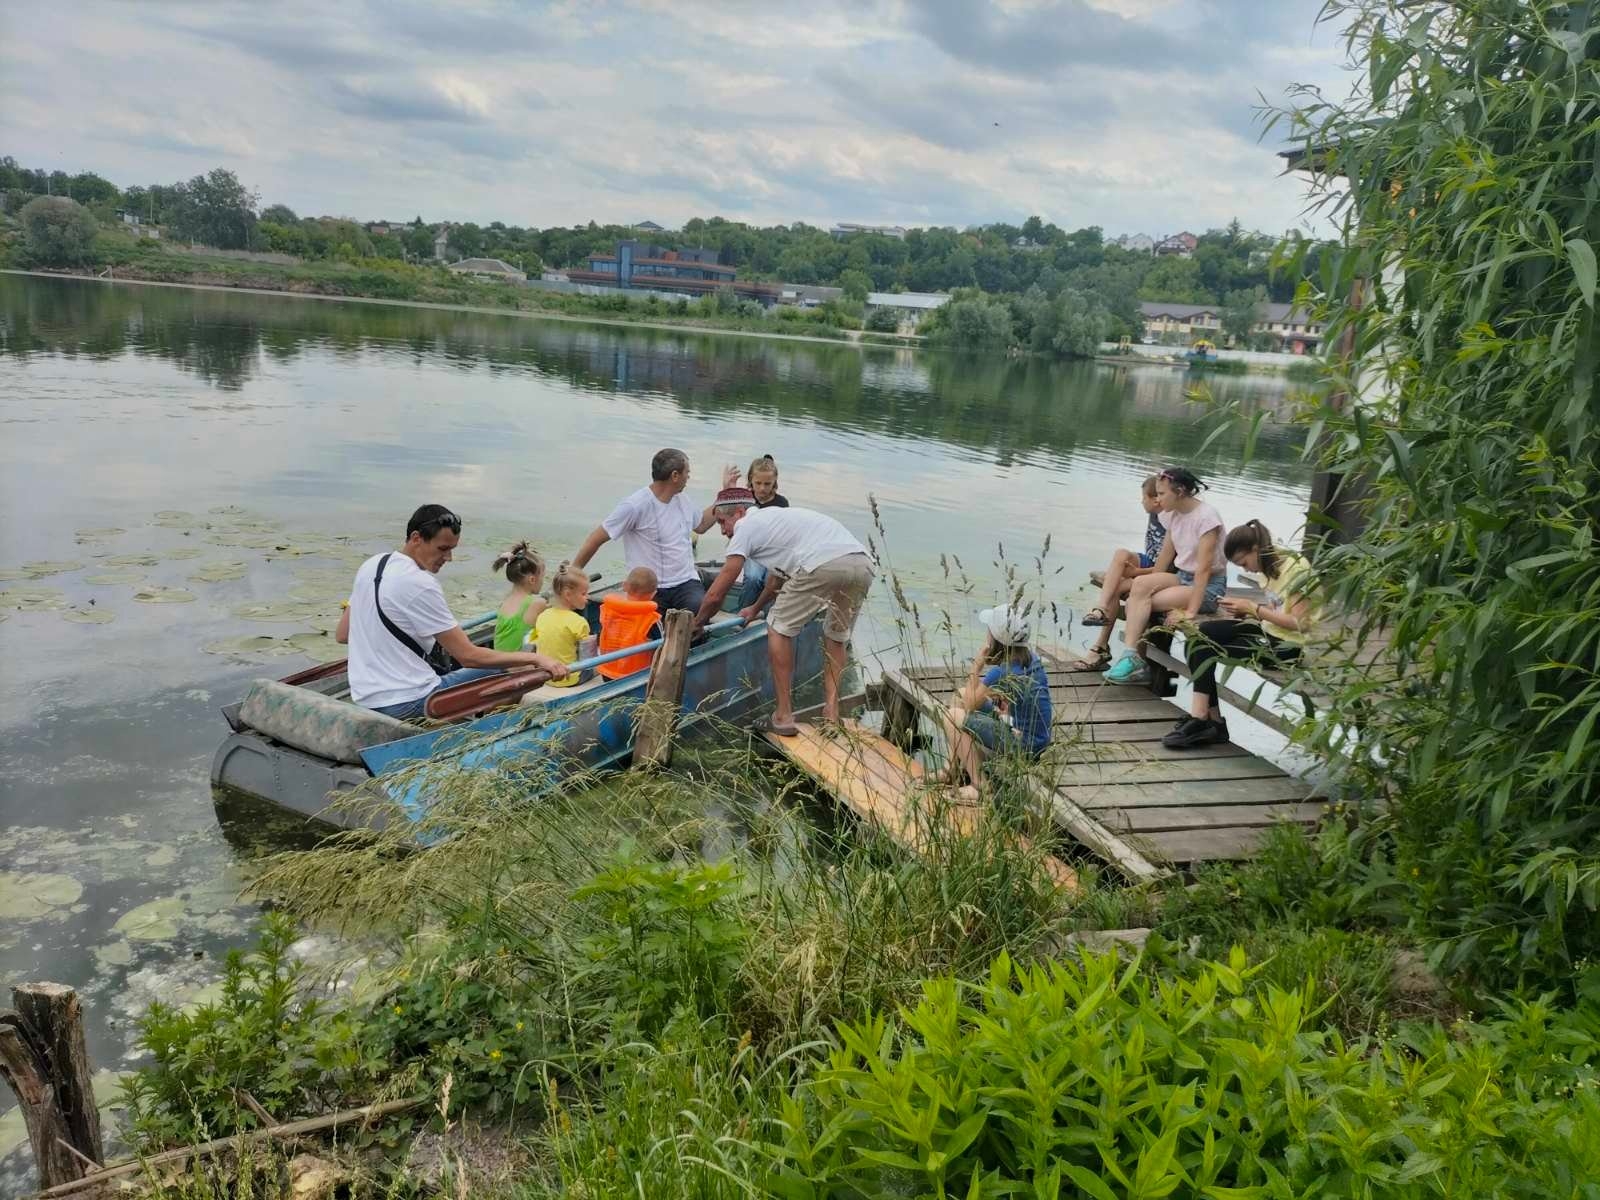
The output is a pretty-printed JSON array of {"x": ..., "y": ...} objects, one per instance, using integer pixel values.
[{"x": 1057, "y": 288}]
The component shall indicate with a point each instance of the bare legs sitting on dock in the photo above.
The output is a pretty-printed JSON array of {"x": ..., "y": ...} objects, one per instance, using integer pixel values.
[
  {"x": 966, "y": 754},
  {"x": 1120, "y": 575}
]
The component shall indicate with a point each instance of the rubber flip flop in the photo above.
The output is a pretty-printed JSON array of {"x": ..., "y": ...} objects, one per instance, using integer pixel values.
[{"x": 767, "y": 725}]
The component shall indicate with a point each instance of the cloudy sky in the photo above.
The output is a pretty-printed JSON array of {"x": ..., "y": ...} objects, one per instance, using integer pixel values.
[{"x": 1136, "y": 115}]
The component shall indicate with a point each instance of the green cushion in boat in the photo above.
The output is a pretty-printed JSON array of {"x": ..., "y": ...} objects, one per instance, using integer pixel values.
[{"x": 317, "y": 724}]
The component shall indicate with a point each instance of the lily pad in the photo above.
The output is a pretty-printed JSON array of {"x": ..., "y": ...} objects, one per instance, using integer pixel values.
[
  {"x": 12, "y": 574},
  {"x": 24, "y": 599},
  {"x": 182, "y": 552},
  {"x": 252, "y": 649},
  {"x": 152, "y": 594},
  {"x": 88, "y": 616},
  {"x": 114, "y": 954},
  {"x": 155, "y": 921},
  {"x": 176, "y": 518},
  {"x": 30, "y": 896},
  {"x": 110, "y": 578},
  {"x": 39, "y": 570},
  {"x": 318, "y": 645},
  {"x": 249, "y": 541},
  {"x": 133, "y": 560},
  {"x": 97, "y": 535},
  {"x": 219, "y": 572},
  {"x": 283, "y": 610}
]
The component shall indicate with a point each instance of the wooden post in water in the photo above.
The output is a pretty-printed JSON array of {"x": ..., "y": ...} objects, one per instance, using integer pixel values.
[
  {"x": 43, "y": 1058},
  {"x": 652, "y": 744}
]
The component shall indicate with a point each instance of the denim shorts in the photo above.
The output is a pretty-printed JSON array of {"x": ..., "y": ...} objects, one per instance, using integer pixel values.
[
  {"x": 997, "y": 736},
  {"x": 1215, "y": 586}
]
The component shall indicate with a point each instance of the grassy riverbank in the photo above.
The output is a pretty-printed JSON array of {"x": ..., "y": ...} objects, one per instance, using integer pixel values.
[
  {"x": 141, "y": 261},
  {"x": 699, "y": 984}
]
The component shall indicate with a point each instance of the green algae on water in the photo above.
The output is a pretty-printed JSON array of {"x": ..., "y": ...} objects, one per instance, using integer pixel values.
[
  {"x": 39, "y": 570},
  {"x": 35, "y": 599},
  {"x": 88, "y": 616},
  {"x": 34, "y": 896},
  {"x": 153, "y": 594},
  {"x": 154, "y": 921},
  {"x": 219, "y": 572}
]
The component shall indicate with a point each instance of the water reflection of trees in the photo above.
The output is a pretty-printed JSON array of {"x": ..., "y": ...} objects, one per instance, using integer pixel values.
[{"x": 1005, "y": 407}]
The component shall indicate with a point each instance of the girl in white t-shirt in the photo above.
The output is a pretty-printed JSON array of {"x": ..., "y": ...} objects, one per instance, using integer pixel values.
[{"x": 1190, "y": 574}]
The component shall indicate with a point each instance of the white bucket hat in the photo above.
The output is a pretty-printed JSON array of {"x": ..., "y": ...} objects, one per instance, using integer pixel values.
[{"x": 1006, "y": 625}]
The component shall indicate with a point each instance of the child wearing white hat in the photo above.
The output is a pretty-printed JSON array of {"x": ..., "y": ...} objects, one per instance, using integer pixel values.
[{"x": 1004, "y": 707}]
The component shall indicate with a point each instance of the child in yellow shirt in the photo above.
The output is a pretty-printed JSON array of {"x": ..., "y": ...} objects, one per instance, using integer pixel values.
[{"x": 561, "y": 626}]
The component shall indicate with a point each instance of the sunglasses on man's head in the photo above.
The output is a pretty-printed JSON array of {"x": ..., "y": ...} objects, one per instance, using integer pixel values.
[{"x": 442, "y": 521}]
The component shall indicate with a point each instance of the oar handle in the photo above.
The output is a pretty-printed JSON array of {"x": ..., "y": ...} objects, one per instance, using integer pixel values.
[{"x": 612, "y": 655}]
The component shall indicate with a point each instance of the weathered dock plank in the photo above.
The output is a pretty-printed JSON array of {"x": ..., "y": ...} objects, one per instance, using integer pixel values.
[{"x": 1112, "y": 785}]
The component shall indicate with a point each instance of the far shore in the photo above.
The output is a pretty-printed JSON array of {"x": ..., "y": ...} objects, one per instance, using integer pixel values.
[{"x": 851, "y": 337}]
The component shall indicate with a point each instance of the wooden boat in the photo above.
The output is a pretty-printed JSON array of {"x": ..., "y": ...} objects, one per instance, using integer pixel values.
[{"x": 299, "y": 742}]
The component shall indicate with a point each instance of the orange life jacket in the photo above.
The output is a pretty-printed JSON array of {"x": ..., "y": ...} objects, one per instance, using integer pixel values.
[{"x": 624, "y": 622}]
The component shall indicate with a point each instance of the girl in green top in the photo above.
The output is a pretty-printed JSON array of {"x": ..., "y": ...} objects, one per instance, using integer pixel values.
[
  {"x": 1271, "y": 631},
  {"x": 521, "y": 608}
]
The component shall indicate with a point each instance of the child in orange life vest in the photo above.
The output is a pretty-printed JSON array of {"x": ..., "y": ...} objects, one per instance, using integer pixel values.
[{"x": 627, "y": 619}]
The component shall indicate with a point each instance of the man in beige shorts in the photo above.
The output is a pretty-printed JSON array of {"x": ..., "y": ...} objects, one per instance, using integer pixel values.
[{"x": 813, "y": 564}]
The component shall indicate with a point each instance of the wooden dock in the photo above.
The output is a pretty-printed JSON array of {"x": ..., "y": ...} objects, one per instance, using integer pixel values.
[
  {"x": 889, "y": 790},
  {"x": 1110, "y": 783}
]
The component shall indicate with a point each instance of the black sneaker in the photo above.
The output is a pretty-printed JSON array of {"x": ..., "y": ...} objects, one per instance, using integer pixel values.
[{"x": 1195, "y": 732}]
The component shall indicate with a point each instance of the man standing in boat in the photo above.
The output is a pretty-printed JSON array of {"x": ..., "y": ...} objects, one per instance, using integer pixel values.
[
  {"x": 657, "y": 525},
  {"x": 397, "y": 615},
  {"x": 814, "y": 564}
]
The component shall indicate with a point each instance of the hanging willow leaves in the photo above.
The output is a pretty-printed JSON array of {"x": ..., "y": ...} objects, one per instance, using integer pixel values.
[{"x": 1464, "y": 175}]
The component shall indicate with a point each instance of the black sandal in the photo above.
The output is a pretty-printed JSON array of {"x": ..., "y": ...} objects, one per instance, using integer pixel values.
[{"x": 1091, "y": 621}]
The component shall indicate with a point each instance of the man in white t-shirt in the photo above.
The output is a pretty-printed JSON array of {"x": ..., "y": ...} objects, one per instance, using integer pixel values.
[
  {"x": 397, "y": 612},
  {"x": 814, "y": 564},
  {"x": 657, "y": 525}
]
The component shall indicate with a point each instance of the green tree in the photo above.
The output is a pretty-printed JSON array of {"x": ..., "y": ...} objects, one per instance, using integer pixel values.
[
  {"x": 1464, "y": 166},
  {"x": 279, "y": 214},
  {"x": 1081, "y": 325},
  {"x": 57, "y": 230},
  {"x": 856, "y": 284},
  {"x": 971, "y": 321},
  {"x": 883, "y": 319},
  {"x": 1175, "y": 279},
  {"x": 1241, "y": 310},
  {"x": 214, "y": 209}
]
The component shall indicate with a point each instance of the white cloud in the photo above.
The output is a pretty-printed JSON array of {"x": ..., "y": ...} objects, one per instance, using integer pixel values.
[{"x": 1129, "y": 114}]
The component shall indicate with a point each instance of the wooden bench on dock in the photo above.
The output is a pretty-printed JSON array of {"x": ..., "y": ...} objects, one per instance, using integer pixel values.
[{"x": 1344, "y": 647}]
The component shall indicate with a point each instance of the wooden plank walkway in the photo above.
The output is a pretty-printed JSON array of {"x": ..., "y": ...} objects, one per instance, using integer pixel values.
[
  {"x": 1111, "y": 784},
  {"x": 887, "y": 789}
]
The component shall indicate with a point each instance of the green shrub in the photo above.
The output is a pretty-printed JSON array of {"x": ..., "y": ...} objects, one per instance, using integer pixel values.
[
  {"x": 1092, "y": 1078},
  {"x": 668, "y": 940},
  {"x": 266, "y": 1035}
]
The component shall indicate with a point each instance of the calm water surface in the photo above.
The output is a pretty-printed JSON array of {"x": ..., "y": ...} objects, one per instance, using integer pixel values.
[{"x": 205, "y": 469}]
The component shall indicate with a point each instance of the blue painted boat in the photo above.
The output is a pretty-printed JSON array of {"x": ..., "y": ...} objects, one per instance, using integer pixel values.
[{"x": 299, "y": 743}]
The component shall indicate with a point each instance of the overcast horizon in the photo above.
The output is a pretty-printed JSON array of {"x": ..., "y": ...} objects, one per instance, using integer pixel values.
[{"x": 1134, "y": 115}]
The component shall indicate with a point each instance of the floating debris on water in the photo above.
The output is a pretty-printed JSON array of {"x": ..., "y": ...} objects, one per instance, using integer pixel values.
[
  {"x": 89, "y": 616},
  {"x": 152, "y": 594},
  {"x": 219, "y": 572},
  {"x": 110, "y": 578}
]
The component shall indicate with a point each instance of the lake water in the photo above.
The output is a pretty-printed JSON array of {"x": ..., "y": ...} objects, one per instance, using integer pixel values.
[{"x": 189, "y": 477}]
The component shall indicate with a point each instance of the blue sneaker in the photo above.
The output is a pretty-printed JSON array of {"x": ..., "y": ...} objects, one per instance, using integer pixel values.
[{"x": 1130, "y": 668}]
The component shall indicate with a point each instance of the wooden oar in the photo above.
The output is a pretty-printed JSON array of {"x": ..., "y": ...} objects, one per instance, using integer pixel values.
[{"x": 480, "y": 695}]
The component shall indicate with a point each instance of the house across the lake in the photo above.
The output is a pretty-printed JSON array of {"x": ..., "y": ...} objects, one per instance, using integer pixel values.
[{"x": 641, "y": 266}]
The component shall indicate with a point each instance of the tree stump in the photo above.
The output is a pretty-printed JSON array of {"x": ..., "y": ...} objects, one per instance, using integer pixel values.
[
  {"x": 43, "y": 1058},
  {"x": 652, "y": 743}
]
